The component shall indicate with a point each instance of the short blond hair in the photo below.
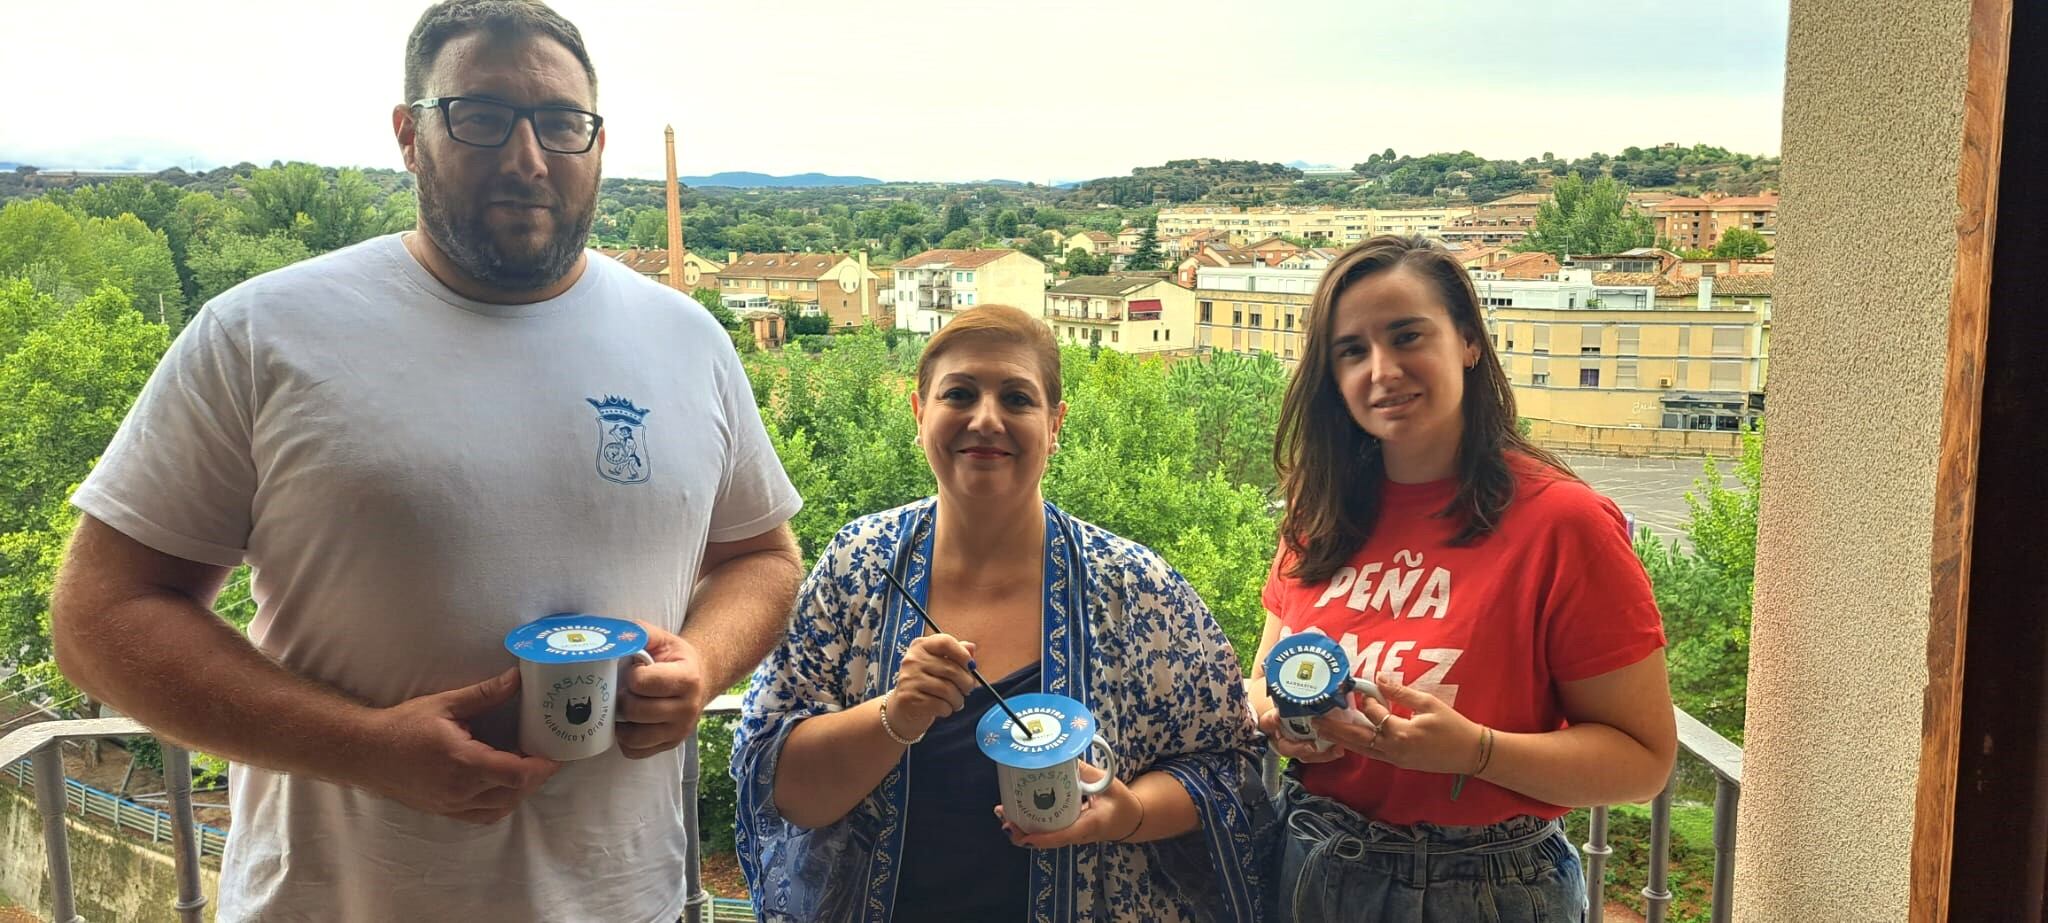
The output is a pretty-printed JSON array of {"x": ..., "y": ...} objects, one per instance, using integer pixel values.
[{"x": 1001, "y": 325}]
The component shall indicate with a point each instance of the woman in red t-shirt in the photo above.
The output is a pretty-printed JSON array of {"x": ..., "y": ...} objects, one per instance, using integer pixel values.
[{"x": 1492, "y": 598}]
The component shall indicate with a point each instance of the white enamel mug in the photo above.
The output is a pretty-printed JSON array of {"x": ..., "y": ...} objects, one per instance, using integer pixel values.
[
  {"x": 1038, "y": 765},
  {"x": 571, "y": 675}
]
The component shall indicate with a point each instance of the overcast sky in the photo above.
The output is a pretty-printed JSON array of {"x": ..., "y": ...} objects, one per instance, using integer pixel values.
[{"x": 924, "y": 90}]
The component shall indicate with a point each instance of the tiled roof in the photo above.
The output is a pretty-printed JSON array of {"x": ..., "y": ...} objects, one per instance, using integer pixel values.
[
  {"x": 782, "y": 266},
  {"x": 1744, "y": 283},
  {"x": 1740, "y": 283},
  {"x": 958, "y": 259},
  {"x": 1527, "y": 266},
  {"x": 1767, "y": 201},
  {"x": 645, "y": 262},
  {"x": 1480, "y": 255},
  {"x": 1665, "y": 287},
  {"x": 1117, "y": 286},
  {"x": 649, "y": 261}
]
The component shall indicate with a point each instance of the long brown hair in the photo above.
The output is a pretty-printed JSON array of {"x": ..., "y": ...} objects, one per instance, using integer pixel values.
[{"x": 1331, "y": 468}]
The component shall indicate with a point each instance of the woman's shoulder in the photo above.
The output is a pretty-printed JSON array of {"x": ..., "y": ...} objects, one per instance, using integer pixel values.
[
  {"x": 870, "y": 535},
  {"x": 1559, "y": 498},
  {"x": 1118, "y": 562}
]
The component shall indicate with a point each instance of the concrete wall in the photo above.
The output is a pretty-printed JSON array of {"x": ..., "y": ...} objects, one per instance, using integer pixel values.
[
  {"x": 1630, "y": 442},
  {"x": 1872, "y": 137},
  {"x": 113, "y": 879}
]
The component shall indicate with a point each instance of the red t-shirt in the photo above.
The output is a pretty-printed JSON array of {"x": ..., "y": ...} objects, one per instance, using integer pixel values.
[{"x": 1554, "y": 595}]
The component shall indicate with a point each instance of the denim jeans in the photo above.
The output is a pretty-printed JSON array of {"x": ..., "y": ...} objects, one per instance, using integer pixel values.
[{"x": 1336, "y": 865}]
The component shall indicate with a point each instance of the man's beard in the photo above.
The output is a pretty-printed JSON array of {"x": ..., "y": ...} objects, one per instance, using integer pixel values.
[{"x": 456, "y": 223}]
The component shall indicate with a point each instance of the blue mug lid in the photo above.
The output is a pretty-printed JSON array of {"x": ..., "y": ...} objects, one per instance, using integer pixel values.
[
  {"x": 1063, "y": 731},
  {"x": 570, "y": 637},
  {"x": 1306, "y": 674}
]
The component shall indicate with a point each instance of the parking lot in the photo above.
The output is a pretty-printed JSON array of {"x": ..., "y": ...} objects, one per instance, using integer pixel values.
[{"x": 1652, "y": 489}]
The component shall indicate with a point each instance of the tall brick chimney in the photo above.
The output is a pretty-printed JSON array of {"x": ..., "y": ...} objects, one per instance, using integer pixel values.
[{"x": 675, "y": 218}]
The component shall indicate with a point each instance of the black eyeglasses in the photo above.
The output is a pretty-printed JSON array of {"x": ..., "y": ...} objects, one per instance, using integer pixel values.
[{"x": 489, "y": 123}]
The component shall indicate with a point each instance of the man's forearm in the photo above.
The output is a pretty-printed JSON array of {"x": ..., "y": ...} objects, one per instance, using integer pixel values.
[
  {"x": 172, "y": 664},
  {"x": 740, "y": 611}
]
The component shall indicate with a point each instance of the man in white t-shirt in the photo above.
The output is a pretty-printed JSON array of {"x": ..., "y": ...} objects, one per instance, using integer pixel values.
[{"x": 418, "y": 443}]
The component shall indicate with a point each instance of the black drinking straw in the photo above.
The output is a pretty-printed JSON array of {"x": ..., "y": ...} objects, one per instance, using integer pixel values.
[{"x": 934, "y": 626}]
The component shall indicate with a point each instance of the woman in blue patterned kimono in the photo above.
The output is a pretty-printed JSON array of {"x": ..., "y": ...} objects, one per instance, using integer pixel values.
[{"x": 862, "y": 795}]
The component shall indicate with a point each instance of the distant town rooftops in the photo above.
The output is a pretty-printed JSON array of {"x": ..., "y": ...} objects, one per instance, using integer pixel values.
[
  {"x": 1112, "y": 286},
  {"x": 957, "y": 259},
  {"x": 783, "y": 265}
]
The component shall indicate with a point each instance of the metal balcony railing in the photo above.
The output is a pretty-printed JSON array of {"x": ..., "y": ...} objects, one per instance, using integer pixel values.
[
  {"x": 1725, "y": 759},
  {"x": 42, "y": 745}
]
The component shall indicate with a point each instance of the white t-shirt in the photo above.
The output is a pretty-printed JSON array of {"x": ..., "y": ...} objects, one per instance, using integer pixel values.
[{"x": 410, "y": 475}]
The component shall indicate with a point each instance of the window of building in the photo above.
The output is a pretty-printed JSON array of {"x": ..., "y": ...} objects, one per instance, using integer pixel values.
[
  {"x": 1257, "y": 319},
  {"x": 1625, "y": 374},
  {"x": 1290, "y": 320},
  {"x": 1207, "y": 308},
  {"x": 1236, "y": 316},
  {"x": 1628, "y": 341},
  {"x": 1589, "y": 378},
  {"x": 1540, "y": 378},
  {"x": 1542, "y": 345},
  {"x": 1113, "y": 336},
  {"x": 1725, "y": 376},
  {"x": 1728, "y": 341},
  {"x": 1684, "y": 341}
]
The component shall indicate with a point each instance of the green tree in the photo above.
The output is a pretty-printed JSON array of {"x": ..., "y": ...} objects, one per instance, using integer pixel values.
[
  {"x": 956, "y": 217},
  {"x": 1740, "y": 244},
  {"x": 1587, "y": 217},
  {"x": 23, "y": 310},
  {"x": 842, "y": 425},
  {"x": 1005, "y": 223},
  {"x": 1234, "y": 400},
  {"x": 1127, "y": 462},
  {"x": 154, "y": 201},
  {"x": 42, "y": 241},
  {"x": 67, "y": 386},
  {"x": 1705, "y": 592},
  {"x": 227, "y": 259},
  {"x": 300, "y": 200},
  {"x": 139, "y": 259},
  {"x": 1081, "y": 263},
  {"x": 650, "y": 229},
  {"x": 1147, "y": 254}
]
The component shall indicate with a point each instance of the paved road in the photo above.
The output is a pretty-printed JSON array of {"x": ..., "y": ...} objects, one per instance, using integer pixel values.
[{"x": 1653, "y": 489}]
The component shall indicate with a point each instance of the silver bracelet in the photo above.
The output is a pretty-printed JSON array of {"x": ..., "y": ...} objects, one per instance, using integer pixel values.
[{"x": 886, "y": 729}]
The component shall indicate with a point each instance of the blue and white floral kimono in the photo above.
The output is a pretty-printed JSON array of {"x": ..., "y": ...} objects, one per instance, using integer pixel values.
[{"x": 1124, "y": 634}]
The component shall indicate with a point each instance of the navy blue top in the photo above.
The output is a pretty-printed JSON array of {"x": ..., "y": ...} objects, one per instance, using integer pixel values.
[{"x": 957, "y": 864}]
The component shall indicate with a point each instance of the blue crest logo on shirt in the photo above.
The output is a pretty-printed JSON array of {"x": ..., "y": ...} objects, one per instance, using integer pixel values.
[{"x": 621, "y": 440}]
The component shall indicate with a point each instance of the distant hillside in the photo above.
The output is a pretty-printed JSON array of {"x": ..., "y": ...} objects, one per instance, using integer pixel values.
[
  {"x": 1387, "y": 179},
  {"x": 743, "y": 180},
  {"x": 1187, "y": 181}
]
